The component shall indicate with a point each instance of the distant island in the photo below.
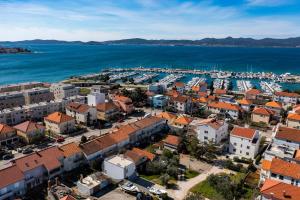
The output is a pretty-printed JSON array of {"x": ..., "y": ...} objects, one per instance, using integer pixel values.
[
  {"x": 222, "y": 42},
  {"x": 13, "y": 50}
]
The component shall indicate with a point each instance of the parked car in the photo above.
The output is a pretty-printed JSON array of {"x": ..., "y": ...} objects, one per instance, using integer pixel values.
[
  {"x": 27, "y": 151},
  {"x": 60, "y": 139},
  {"x": 8, "y": 156},
  {"x": 156, "y": 191},
  {"x": 129, "y": 187},
  {"x": 19, "y": 150}
]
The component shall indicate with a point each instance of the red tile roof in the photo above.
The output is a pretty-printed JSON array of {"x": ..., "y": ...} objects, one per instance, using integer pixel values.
[
  {"x": 253, "y": 92},
  {"x": 103, "y": 107},
  {"x": 179, "y": 84},
  {"x": 215, "y": 124},
  {"x": 285, "y": 168},
  {"x": 243, "y": 132},
  {"x": 68, "y": 197},
  {"x": 274, "y": 104},
  {"x": 220, "y": 91},
  {"x": 273, "y": 189},
  {"x": 4, "y": 129},
  {"x": 225, "y": 106},
  {"x": 294, "y": 116},
  {"x": 286, "y": 133},
  {"x": 28, "y": 126},
  {"x": 172, "y": 140},
  {"x": 244, "y": 102},
  {"x": 183, "y": 120},
  {"x": 123, "y": 99},
  {"x": 287, "y": 94},
  {"x": 10, "y": 175},
  {"x": 262, "y": 111},
  {"x": 180, "y": 98},
  {"x": 149, "y": 155},
  {"x": 58, "y": 117},
  {"x": 167, "y": 115},
  {"x": 78, "y": 107},
  {"x": 70, "y": 149}
]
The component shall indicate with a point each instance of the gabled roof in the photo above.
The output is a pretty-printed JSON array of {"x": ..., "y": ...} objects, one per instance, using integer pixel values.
[
  {"x": 28, "y": 126},
  {"x": 243, "y": 132},
  {"x": 58, "y": 117},
  {"x": 135, "y": 157},
  {"x": 220, "y": 91},
  {"x": 280, "y": 191},
  {"x": 287, "y": 94},
  {"x": 244, "y": 102},
  {"x": 179, "y": 84},
  {"x": 78, "y": 107},
  {"x": 285, "y": 168},
  {"x": 106, "y": 106},
  {"x": 122, "y": 99},
  {"x": 180, "y": 98},
  {"x": 167, "y": 115},
  {"x": 294, "y": 116},
  {"x": 224, "y": 105},
  {"x": 149, "y": 155},
  {"x": 184, "y": 120},
  {"x": 172, "y": 140},
  {"x": 10, "y": 175},
  {"x": 262, "y": 111},
  {"x": 286, "y": 133},
  {"x": 274, "y": 104},
  {"x": 266, "y": 165},
  {"x": 5, "y": 129},
  {"x": 253, "y": 92},
  {"x": 213, "y": 123},
  {"x": 68, "y": 197},
  {"x": 203, "y": 100},
  {"x": 70, "y": 149}
]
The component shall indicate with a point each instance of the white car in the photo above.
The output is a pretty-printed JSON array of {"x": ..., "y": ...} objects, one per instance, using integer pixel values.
[
  {"x": 156, "y": 191},
  {"x": 129, "y": 187}
]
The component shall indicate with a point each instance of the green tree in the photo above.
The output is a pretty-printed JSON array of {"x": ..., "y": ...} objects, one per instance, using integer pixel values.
[
  {"x": 83, "y": 139},
  {"x": 165, "y": 178},
  {"x": 194, "y": 196}
]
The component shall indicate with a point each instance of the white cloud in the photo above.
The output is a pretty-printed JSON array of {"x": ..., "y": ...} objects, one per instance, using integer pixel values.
[{"x": 268, "y": 3}]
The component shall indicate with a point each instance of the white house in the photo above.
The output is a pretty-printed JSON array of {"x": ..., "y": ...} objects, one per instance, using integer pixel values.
[
  {"x": 181, "y": 103},
  {"x": 288, "y": 137},
  {"x": 95, "y": 98},
  {"x": 287, "y": 98},
  {"x": 244, "y": 142},
  {"x": 82, "y": 113},
  {"x": 118, "y": 167},
  {"x": 73, "y": 156},
  {"x": 211, "y": 130},
  {"x": 91, "y": 184},
  {"x": 59, "y": 123},
  {"x": 159, "y": 101},
  {"x": 293, "y": 120},
  {"x": 225, "y": 108}
]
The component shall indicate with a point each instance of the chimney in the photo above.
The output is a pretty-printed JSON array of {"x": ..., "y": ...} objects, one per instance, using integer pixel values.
[
  {"x": 57, "y": 181},
  {"x": 81, "y": 177},
  {"x": 284, "y": 193}
]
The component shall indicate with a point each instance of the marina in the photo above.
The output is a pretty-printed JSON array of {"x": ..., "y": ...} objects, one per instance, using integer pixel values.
[
  {"x": 145, "y": 77},
  {"x": 170, "y": 79},
  {"x": 270, "y": 87},
  {"x": 119, "y": 76},
  {"x": 244, "y": 85},
  {"x": 194, "y": 82}
]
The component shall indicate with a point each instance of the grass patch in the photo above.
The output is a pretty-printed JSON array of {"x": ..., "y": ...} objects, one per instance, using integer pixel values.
[
  {"x": 191, "y": 174},
  {"x": 152, "y": 178},
  {"x": 206, "y": 190},
  {"x": 84, "y": 91}
]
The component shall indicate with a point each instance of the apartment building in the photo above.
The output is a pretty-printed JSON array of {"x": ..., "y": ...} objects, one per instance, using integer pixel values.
[
  {"x": 252, "y": 94},
  {"x": 287, "y": 137},
  {"x": 261, "y": 114},
  {"x": 8, "y": 135},
  {"x": 73, "y": 156},
  {"x": 230, "y": 109},
  {"x": 37, "y": 95},
  {"x": 82, "y": 113},
  {"x": 180, "y": 103},
  {"x": 211, "y": 130},
  {"x": 293, "y": 120},
  {"x": 60, "y": 123},
  {"x": 286, "y": 98},
  {"x": 30, "y": 131},
  {"x": 13, "y": 116},
  {"x": 11, "y": 99},
  {"x": 172, "y": 142},
  {"x": 124, "y": 103},
  {"x": 244, "y": 142},
  {"x": 276, "y": 107},
  {"x": 107, "y": 111},
  {"x": 180, "y": 86},
  {"x": 95, "y": 98},
  {"x": 62, "y": 91},
  {"x": 20, "y": 86},
  {"x": 159, "y": 101},
  {"x": 245, "y": 104}
]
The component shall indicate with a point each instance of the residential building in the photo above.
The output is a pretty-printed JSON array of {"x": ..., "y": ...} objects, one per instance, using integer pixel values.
[
  {"x": 159, "y": 101},
  {"x": 62, "y": 91},
  {"x": 287, "y": 137},
  {"x": 107, "y": 111},
  {"x": 181, "y": 123},
  {"x": 20, "y": 86},
  {"x": 181, "y": 103},
  {"x": 172, "y": 142},
  {"x": 124, "y": 103},
  {"x": 211, "y": 130},
  {"x": 73, "y": 156},
  {"x": 95, "y": 98},
  {"x": 92, "y": 184},
  {"x": 201, "y": 87},
  {"x": 13, "y": 116},
  {"x": 252, "y": 94},
  {"x": 37, "y": 95},
  {"x": 169, "y": 117},
  {"x": 156, "y": 88},
  {"x": 59, "y": 123},
  {"x": 8, "y": 135},
  {"x": 287, "y": 98},
  {"x": 11, "y": 99},
  {"x": 180, "y": 86},
  {"x": 227, "y": 109},
  {"x": 261, "y": 114},
  {"x": 220, "y": 92},
  {"x": 280, "y": 170},
  {"x": 244, "y": 142},
  {"x": 82, "y": 113},
  {"x": 139, "y": 156},
  {"x": 30, "y": 132},
  {"x": 293, "y": 120},
  {"x": 273, "y": 189},
  {"x": 245, "y": 104},
  {"x": 276, "y": 107},
  {"x": 12, "y": 183},
  {"x": 119, "y": 168}
]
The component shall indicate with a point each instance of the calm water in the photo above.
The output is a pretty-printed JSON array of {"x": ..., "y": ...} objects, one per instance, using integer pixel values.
[{"x": 56, "y": 62}]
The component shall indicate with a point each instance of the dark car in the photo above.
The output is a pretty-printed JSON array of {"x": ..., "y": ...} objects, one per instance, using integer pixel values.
[
  {"x": 8, "y": 156},
  {"x": 60, "y": 139},
  {"x": 27, "y": 151}
]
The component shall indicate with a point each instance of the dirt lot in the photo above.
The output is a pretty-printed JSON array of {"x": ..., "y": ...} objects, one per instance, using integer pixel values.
[
  {"x": 194, "y": 164},
  {"x": 117, "y": 194}
]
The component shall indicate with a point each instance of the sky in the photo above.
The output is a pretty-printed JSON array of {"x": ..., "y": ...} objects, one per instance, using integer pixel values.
[{"x": 100, "y": 20}]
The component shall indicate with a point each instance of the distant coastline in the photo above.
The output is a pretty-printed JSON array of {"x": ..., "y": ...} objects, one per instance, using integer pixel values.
[
  {"x": 13, "y": 50},
  {"x": 206, "y": 42}
]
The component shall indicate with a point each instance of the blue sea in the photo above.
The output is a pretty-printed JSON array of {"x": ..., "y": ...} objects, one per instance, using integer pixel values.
[{"x": 51, "y": 63}]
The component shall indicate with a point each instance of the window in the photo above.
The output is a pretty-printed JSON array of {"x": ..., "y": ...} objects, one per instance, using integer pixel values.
[
  {"x": 205, "y": 131},
  {"x": 273, "y": 175},
  {"x": 248, "y": 147},
  {"x": 247, "y": 153},
  {"x": 205, "y": 138},
  {"x": 280, "y": 177},
  {"x": 234, "y": 144}
]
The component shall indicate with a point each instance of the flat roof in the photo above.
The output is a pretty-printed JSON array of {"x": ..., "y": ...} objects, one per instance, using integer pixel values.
[{"x": 120, "y": 161}]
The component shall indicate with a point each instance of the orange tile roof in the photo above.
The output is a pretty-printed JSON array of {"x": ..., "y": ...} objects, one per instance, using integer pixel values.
[
  {"x": 179, "y": 84},
  {"x": 243, "y": 132},
  {"x": 266, "y": 165},
  {"x": 296, "y": 108},
  {"x": 180, "y": 98},
  {"x": 68, "y": 197},
  {"x": 202, "y": 94},
  {"x": 294, "y": 116},
  {"x": 4, "y": 129},
  {"x": 172, "y": 140},
  {"x": 262, "y": 111},
  {"x": 215, "y": 124},
  {"x": 286, "y": 133},
  {"x": 273, "y": 189},
  {"x": 123, "y": 99},
  {"x": 58, "y": 117},
  {"x": 167, "y": 115},
  {"x": 149, "y": 155},
  {"x": 102, "y": 107},
  {"x": 253, "y": 92},
  {"x": 225, "y": 106},
  {"x": 196, "y": 88},
  {"x": 285, "y": 168},
  {"x": 28, "y": 126},
  {"x": 245, "y": 102},
  {"x": 135, "y": 157},
  {"x": 203, "y": 100},
  {"x": 287, "y": 94},
  {"x": 78, "y": 107},
  {"x": 70, "y": 149},
  {"x": 172, "y": 93},
  {"x": 10, "y": 175},
  {"x": 220, "y": 91},
  {"x": 184, "y": 120},
  {"x": 274, "y": 104},
  {"x": 297, "y": 155}
]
